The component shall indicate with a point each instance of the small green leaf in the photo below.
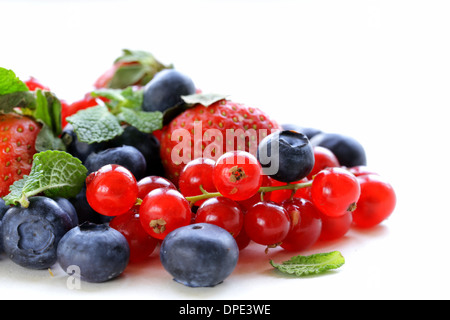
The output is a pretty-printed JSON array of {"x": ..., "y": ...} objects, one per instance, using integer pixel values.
[
  {"x": 10, "y": 83},
  {"x": 121, "y": 98},
  {"x": 313, "y": 264},
  {"x": 144, "y": 121},
  {"x": 95, "y": 124},
  {"x": 205, "y": 99},
  {"x": 20, "y": 99},
  {"x": 54, "y": 173},
  {"x": 138, "y": 67}
]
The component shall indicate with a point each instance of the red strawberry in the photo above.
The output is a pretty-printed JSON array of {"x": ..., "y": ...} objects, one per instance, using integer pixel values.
[
  {"x": 222, "y": 116},
  {"x": 17, "y": 147}
]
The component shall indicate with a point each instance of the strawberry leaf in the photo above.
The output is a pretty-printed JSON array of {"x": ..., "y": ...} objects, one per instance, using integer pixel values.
[
  {"x": 205, "y": 99},
  {"x": 54, "y": 173},
  {"x": 135, "y": 67},
  {"x": 313, "y": 264}
]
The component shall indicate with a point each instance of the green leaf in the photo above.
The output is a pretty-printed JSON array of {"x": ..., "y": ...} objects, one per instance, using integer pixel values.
[
  {"x": 139, "y": 68},
  {"x": 46, "y": 140},
  {"x": 95, "y": 124},
  {"x": 205, "y": 99},
  {"x": 313, "y": 264},
  {"x": 20, "y": 99},
  {"x": 53, "y": 173},
  {"x": 121, "y": 98},
  {"x": 10, "y": 83},
  {"x": 144, "y": 121},
  {"x": 48, "y": 110}
]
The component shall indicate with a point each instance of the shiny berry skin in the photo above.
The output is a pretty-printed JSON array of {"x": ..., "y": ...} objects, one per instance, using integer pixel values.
[
  {"x": 323, "y": 158},
  {"x": 164, "y": 210},
  {"x": 196, "y": 173},
  {"x": 335, "y": 191},
  {"x": 376, "y": 203},
  {"x": 306, "y": 225},
  {"x": 141, "y": 244},
  {"x": 286, "y": 156},
  {"x": 267, "y": 223},
  {"x": 150, "y": 183},
  {"x": 237, "y": 175},
  {"x": 222, "y": 212},
  {"x": 112, "y": 190},
  {"x": 250, "y": 202},
  {"x": 334, "y": 228}
]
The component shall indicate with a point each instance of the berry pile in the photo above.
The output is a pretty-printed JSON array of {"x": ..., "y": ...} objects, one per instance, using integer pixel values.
[{"x": 198, "y": 175}]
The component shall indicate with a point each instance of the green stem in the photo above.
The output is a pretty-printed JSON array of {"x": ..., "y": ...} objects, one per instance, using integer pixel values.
[{"x": 206, "y": 195}]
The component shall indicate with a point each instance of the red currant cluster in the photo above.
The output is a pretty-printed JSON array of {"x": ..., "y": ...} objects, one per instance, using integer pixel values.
[{"x": 233, "y": 193}]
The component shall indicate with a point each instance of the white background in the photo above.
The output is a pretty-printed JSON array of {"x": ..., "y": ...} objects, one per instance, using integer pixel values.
[{"x": 376, "y": 70}]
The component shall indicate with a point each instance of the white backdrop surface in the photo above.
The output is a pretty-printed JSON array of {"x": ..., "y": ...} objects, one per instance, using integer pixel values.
[{"x": 375, "y": 70}]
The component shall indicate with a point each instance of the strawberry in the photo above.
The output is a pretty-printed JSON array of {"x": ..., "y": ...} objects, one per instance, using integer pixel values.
[
  {"x": 17, "y": 146},
  {"x": 221, "y": 115}
]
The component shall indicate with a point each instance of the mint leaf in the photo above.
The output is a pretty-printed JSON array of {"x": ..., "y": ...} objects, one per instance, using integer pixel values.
[
  {"x": 313, "y": 264},
  {"x": 10, "y": 83},
  {"x": 46, "y": 140},
  {"x": 205, "y": 99},
  {"x": 144, "y": 121},
  {"x": 95, "y": 124},
  {"x": 54, "y": 173}
]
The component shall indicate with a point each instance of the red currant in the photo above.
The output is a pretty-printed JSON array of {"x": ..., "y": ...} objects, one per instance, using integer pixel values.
[
  {"x": 242, "y": 239},
  {"x": 376, "y": 203},
  {"x": 335, "y": 227},
  {"x": 267, "y": 223},
  {"x": 164, "y": 210},
  {"x": 237, "y": 175},
  {"x": 151, "y": 183},
  {"x": 112, "y": 190},
  {"x": 141, "y": 244},
  {"x": 250, "y": 202},
  {"x": 197, "y": 173},
  {"x": 361, "y": 171},
  {"x": 323, "y": 158},
  {"x": 335, "y": 191},
  {"x": 306, "y": 225},
  {"x": 222, "y": 212}
]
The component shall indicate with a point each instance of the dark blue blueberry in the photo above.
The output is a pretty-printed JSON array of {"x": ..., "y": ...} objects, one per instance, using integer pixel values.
[
  {"x": 84, "y": 211},
  {"x": 3, "y": 209},
  {"x": 101, "y": 253},
  {"x": 347, "y": 150},
  {"x": 199, "y": 255},
  {"x": 126, "y": 156},
  {"x": 78, "y": 149},
  {"x": 309, "y": 132},
  {"x": 146, "y": 143},
  {"x": 286, "y": 156},
  {"x": 31, "y": 235},
  {"x": 164, "y": 91},
  {"x": 67, "y": 206}
]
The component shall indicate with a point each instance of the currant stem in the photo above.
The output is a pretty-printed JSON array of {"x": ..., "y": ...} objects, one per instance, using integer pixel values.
[{"x": 206, "y": 195}]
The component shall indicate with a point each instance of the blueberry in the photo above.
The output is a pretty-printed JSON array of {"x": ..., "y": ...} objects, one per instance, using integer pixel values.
[
  {"x": 68, "y": 207},
  {"x": 76, "y": 148},
  {"x": 146, "y": 143},
  {"x": 164, "y": 91},
  {"x": 347, "y": 150},
  {"x": 199, "y": 255},
  {"x": 84, "y": 211},
  {"x": 286, "y": 156},
  {"x": 126, "y": 156},
  {"x": 309, "y": 132},
  {"x": 3, "y": 209},
  {"x": 31, "y": 235},
  {"x": 100, "y": 252}
]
